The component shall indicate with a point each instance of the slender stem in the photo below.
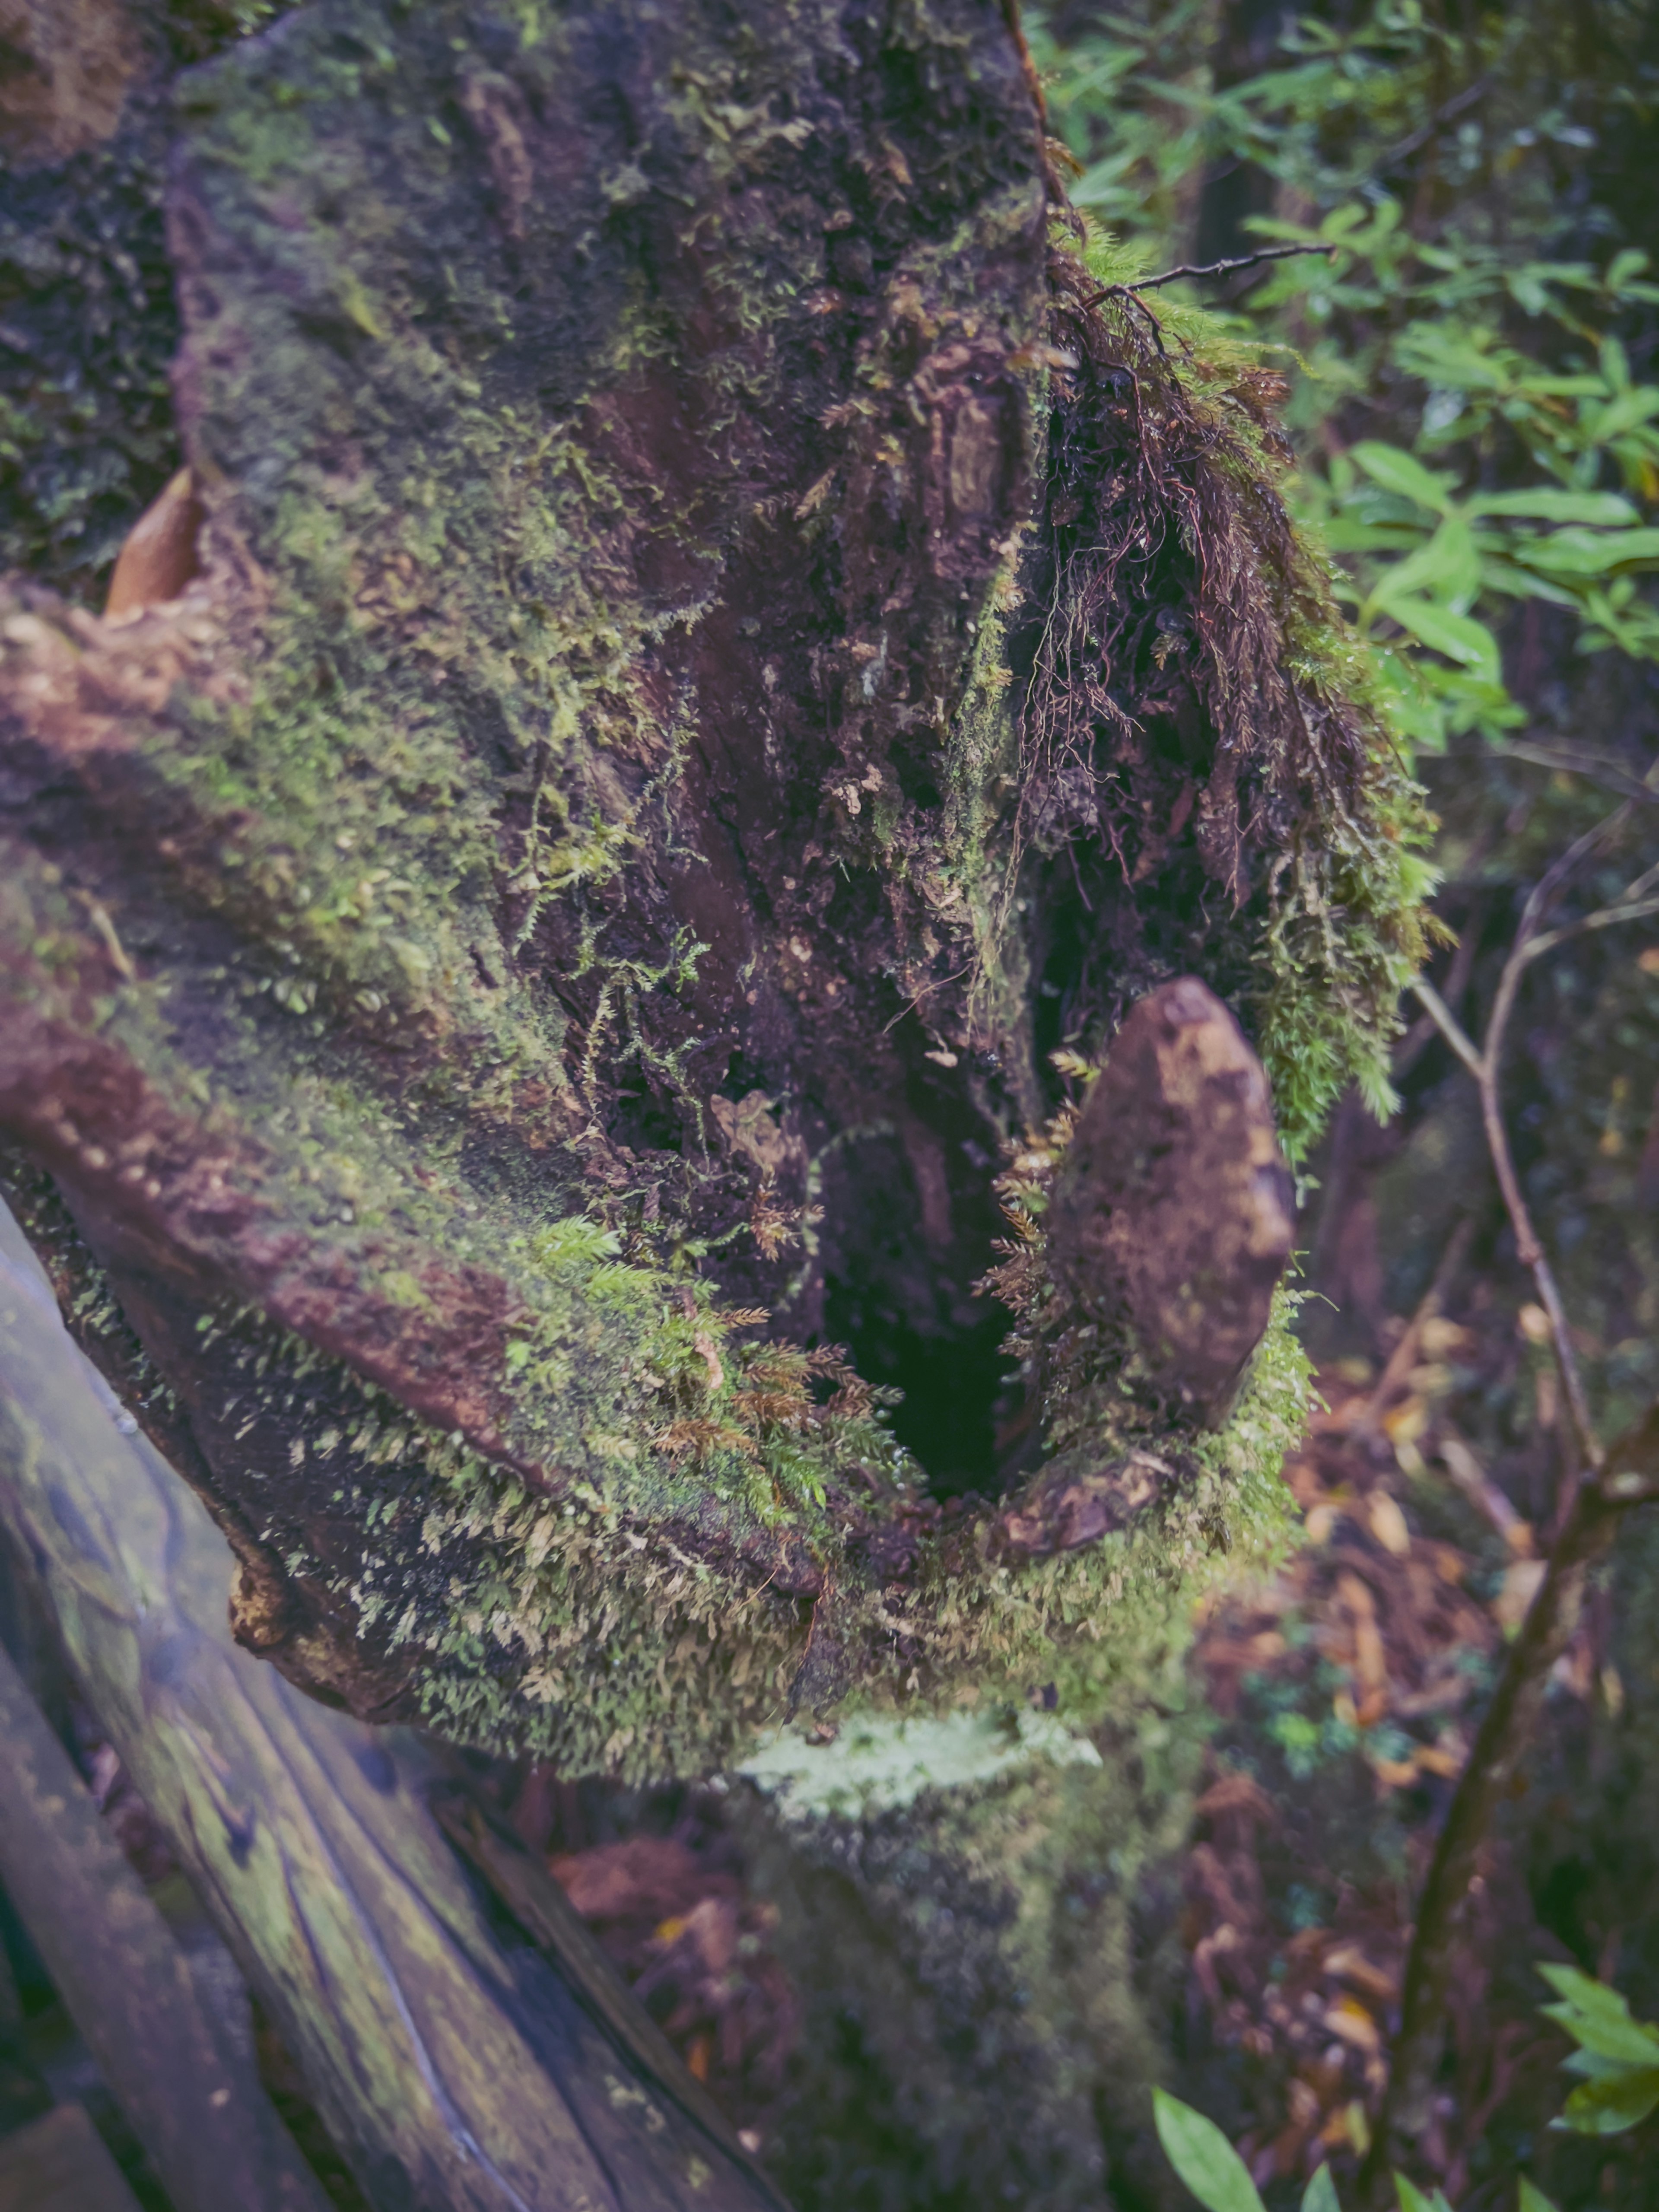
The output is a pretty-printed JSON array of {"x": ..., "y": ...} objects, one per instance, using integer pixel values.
[
  {"x": 1505, "y": 1731},
  {"x": 1533, "y": 1257},
  {"x": 1226, "y": 268},
  {"x": 1611, "y": 773},
  {"x": 1447, "y": 1025},
  {"x": 1487, "y": 1073},
  {"x": 1606, "y": 917},
  {"x": 1630, "y": 1477},
  {"x": 1200, "y": 269},
  {"x": 1485, "y": 1064},
  {"x": 1403, "y": 1358},
  {"x": 1612, "y": 1482}
]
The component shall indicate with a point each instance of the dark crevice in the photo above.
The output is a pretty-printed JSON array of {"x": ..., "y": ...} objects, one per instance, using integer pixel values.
[{"x": 955, "y": 1384}]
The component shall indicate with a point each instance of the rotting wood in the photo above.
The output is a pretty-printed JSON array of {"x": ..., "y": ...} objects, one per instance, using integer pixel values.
[
  {"x": 190, "y": 2097},
  {"x": 705, "y": 642},
  {"x": 457, "y": 2072},
  {"x": 59, "y": 2163},
  {"x": 710, "y": 661}
]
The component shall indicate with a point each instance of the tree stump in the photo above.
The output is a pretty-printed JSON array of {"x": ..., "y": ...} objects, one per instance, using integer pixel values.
[{"x": 723, "y": 650}]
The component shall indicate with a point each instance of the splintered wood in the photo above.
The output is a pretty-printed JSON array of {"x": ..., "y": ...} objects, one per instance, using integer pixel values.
[{"x": 1173, "y": 1212}]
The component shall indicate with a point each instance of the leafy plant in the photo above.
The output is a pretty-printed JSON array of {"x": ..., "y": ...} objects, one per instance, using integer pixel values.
[
  {"x": 1617, "y": 2058},
  {"x": 1213, "y": 2169},
  {"x": 1221, "y": 2181},
  {"x": 1470, "y": 430},
  {"x": 1426, "y": 562},
  {"x": 1617, "y": 2061}
]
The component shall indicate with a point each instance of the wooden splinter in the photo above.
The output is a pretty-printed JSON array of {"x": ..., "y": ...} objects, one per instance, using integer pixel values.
[
  {"x": 1172, "y": 1212},
  {"x": 159, "y": 557}
]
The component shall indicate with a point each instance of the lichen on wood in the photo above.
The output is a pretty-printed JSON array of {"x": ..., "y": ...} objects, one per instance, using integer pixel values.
[{"x": 721, "y": 644}]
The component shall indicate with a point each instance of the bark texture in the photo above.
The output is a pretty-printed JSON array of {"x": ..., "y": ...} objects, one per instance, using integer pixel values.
[{"x": 708, "y": 621}]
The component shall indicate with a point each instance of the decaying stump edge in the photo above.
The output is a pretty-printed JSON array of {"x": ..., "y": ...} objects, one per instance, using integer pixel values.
[{"x": 455, "y": 2069}]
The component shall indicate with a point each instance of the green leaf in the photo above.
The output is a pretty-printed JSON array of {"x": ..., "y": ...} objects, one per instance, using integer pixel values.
[
  {"x": 1412, "y": 2198},
  {"x": 1203, "y": 2157},
  {"x": 1320, "y": 2195},
  {"x": 1628, "y": 412},
  {"x": 1590, "y": 553},
  {"x": 1532, "y": 2199},
  {"x": 1548, "y": 503},
  {"x": 1598, "y": 2018},
  {"x": 1590, "y": 2066},
  {"x": 1447, "y": 568},
  {"x": 1615, "y": 2102},
  {"x": 1397, "y": 471},
  {"x": 1497, "y": 574},
  {"x": 1460, "y": 637}
]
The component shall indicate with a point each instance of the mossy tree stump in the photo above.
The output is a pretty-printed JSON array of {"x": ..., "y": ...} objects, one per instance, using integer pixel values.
[{"x": 712, "y": 651}]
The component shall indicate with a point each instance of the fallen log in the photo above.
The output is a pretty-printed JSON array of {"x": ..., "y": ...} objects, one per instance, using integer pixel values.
[
  {"x": 455, "y": 2064},
  {"x": 191, "y": 2097}
]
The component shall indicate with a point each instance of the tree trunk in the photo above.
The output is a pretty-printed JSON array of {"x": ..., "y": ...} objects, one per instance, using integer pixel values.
[{"x": 705, "y": 652}]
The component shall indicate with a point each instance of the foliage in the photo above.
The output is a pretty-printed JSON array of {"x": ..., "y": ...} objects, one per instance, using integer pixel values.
[
  {"x": 1213, "y": 2169},
  {"x": 1617, "y": 2058},
  {"x": 1617, "y": 2061},
  {"x": 1221, "y": 2181},
  {"x": 1471, "y": 430}
]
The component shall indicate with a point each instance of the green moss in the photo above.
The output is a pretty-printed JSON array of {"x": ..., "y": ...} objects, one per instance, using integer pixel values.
[{"x": 565, "y": 1632}]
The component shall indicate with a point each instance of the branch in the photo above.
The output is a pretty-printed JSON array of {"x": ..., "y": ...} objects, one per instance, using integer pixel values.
[
  {"x": 454, "y": 2066},
  {"x": 1470, "y": 96},
  {"x": 1631, "y": 905},
  {"x": 1612, "y": 774},
  {"x": 1484, "y": 1063},
  {"x": 1206, "y": 268},
  {"x": 1631, "y": 1478},
  {"x": 1403, "y": 1358},
  {"x": 1447, "y": 1025},
  {"x": 188, "y": 2087}
]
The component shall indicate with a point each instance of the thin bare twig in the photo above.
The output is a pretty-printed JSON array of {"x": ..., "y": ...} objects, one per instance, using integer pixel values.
[
  {"x": 1470, "y": 96},
  {"x": 1206, "y": 268},
  {"x": 1613, "y": 774},
  {"x": 1485, "y": 1064},
  {"x": 1411, "y": 1047},
  {"x": 1403, "y": 1358},
  {"x": 1127, "y": 293},
  {"x": 1447, "y": 1025},
  {"x": 1634, "y": 903}
]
